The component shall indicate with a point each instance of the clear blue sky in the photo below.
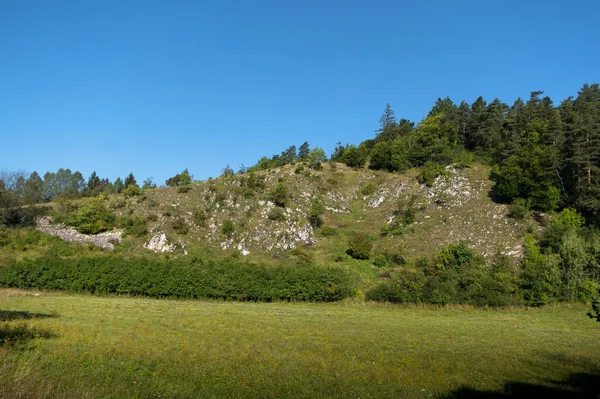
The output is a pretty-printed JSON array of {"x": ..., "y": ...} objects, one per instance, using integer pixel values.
[{"x": 152, "y": 87}]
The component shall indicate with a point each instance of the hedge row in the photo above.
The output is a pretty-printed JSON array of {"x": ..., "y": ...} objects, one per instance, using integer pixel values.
[{"x": 158, "y": 278}]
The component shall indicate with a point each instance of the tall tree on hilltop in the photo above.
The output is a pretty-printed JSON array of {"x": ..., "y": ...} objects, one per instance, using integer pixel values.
[
  {"x": 130, "y": 181},
  {"x": 388, "y": 119},
  {"x": 303, "y": 151}
]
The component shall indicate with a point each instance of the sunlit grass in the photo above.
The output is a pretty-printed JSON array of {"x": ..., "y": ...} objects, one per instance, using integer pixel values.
[{"x": 131, "y": 347}]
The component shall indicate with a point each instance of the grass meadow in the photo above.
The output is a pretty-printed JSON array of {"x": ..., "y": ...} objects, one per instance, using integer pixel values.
[{"x": 59, "y": 345}]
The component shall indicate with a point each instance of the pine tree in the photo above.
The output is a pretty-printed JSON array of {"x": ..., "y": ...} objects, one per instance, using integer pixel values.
[
  {"x": 303, "y": 151},
  {"x": 388, "y": 119}
]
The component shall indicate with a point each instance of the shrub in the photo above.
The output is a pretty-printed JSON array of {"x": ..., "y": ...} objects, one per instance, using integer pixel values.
[
  {"x": 279, "y": 195},
  {"x": 134, "y": 226},
  {"x": 183, "y": 189},
  {"x": 359, "y": 247},
  {"x": 181, "y": 179},
  {"x": 160, "y": 278},
  {"x": 132, "y": 191},
  {"x": 406, "y": 285},
  {"x": 180, "y": 226},
  {"x": 89, "y": 216},
  {"x": 429, "y": 172},
  {"x": 454, "y": 257},
  {"x": 276, "y": 214},
  {"x": 395, "y": 253},
  {"x": 299, "y": 169},
  {"x": 519, "y": 209},
  {"x": 200, "y": 218},
  {"x": 368, "y": 189},
  {"x": 228, "y": 229},
  {"x": 380, "y": 261},
  {"x": 316, "y": 210}
]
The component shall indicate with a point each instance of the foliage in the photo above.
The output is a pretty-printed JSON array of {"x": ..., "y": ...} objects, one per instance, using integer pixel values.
[
  {"x": 228, "y": 229},
  {"x": 359, "y": 247},
  {"x": 454, "y": 257},
  {"x": 181, "y": 179},
  {"x": 279, "y": 195},
  {"x": 200, "y": 217},
  {"x": 180, "y": 226},
  {"x": 519, "y": 209},
  {"x": 276, "y": 214},
  {"x": 429, "y": 172},
  {"x": 132, "y": 191},
  {"x": 159, "y": 278},
  {"x": 134, "y": 225},
  {"x": 316, "y": 210},
  {"x": 380, "y": 261},
  {"x": 316, "y": 157},
  {"x": 88, "y": 216}
]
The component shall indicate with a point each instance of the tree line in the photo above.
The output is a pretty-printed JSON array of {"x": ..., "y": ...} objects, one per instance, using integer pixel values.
[{"x": 545, "y": 157}]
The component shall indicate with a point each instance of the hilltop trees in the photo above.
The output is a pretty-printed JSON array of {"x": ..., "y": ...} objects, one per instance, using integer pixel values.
[{"x": 181, "y": 179}]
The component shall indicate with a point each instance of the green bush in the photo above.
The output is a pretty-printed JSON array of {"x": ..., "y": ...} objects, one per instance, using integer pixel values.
[
  {"x": 368, "y": 188},
  {"x": 276, "y": 214},
  {"x": 519, "y": 209},
  {"x": 429, "y": 172},
  {"x": 132, "y": 191},
  {"x": 380, "y": 261},
  {"x": 359, "y": 247},
  {"x": 279, "y": 195},
  {"x": 455, "y": 257},
  {"x": 406, "y": 285},
  {"x": 316, "y": 210},
  {"x": 200, "y": 218},
  {"x": 180, "y": 226},
  {"x": 161, "y": 278},
  {"x": 183, "y": 189},
  {"x": 228, "y": 229},
  {"x": 134, "y": 226},
  {"x": 88, "y": 216}
]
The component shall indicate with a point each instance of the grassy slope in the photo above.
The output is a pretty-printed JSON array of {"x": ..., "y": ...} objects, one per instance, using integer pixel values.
[
  {"x": 125, "y": 347},
  {"x": 466, "y": 214}
]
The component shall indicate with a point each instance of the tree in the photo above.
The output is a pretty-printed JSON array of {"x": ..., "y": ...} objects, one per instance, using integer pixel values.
[
  {"x": 118, "y": 185},
  {"x": 33, "y": 189},
  {"x": 303, "y": 151},
  {"x": 149, "y": 183},
  {"x": 130, "y": 181},
  {"x": 316, "y": 157},
  {"x": 94, "y": 185},
  {"x": 388, "y": 118},
  {"x": 586, "y": 157},
  {"x": 338, "y": 152},
  {"x": 355, "y": 157},
  {"x": 184, "y": 178}
]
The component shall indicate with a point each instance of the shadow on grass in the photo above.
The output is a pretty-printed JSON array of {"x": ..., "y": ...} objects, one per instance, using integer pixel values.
[
  {"x": 14, "y": 335},
  {"x": 577, "y": 386},
  {"x": 10, "y": 315}
]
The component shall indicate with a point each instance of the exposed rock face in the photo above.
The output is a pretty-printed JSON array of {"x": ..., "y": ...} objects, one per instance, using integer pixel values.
[
  {"x": 104, "y": 240},
  {"x": 159, "y": 243}
]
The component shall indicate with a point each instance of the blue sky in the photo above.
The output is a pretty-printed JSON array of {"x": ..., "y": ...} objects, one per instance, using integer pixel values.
[{"x": 152, "y": 87}]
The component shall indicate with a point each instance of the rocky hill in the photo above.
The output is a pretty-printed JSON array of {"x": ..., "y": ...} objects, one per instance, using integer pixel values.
[{"x": 239, "y": 215}]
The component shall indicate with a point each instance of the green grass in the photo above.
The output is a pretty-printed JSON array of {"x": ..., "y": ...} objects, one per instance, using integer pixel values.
[{"x": 119, "y": 347}]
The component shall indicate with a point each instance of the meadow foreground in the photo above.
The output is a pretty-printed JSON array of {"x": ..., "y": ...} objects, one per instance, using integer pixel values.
[{"x": 117, "y": 347}]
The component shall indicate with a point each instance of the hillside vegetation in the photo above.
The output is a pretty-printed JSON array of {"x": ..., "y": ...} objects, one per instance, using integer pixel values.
[{"x": 481, "y": 204}]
